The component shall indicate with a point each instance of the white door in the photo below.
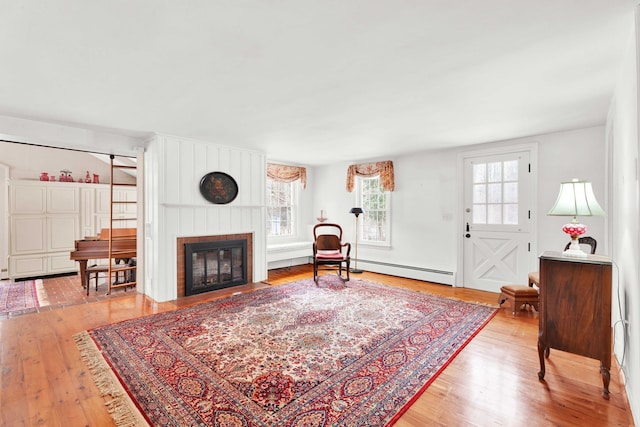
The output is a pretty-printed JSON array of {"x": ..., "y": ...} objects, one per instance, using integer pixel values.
[{"x": 497, "y": 191}]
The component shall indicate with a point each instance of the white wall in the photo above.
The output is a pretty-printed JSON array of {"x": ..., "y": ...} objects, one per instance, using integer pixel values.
[
  {"x": 422, "y": 211},
  {"x": 426, "y": 223},
  {"x": 563, "y": 156},
  {"x": 175, "y": 208},
  {"x": 622, "y": 128}
]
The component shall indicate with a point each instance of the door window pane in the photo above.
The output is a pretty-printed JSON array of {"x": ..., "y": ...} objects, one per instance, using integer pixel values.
[
  {"x": 495, "y": 171},
  {"x": 495, "y": 192},
  {"x": 494, "y": 214},
  {"x": 510, "y": 214},
  {"x": 479, "y": 193},
  {"x": 480, "y": 172},
  {"x": 511, "y": 170},
  {"x": 511, "y": 192}
]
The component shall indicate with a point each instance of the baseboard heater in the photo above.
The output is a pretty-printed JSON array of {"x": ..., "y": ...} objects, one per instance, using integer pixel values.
[{"x": 409, "y": 271}]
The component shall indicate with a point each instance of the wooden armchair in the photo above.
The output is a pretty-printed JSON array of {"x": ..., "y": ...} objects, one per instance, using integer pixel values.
[{"x": 328, "y": 249}]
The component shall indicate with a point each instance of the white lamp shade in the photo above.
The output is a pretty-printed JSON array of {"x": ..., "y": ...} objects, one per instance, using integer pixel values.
[{"x": 576, "y": 198}]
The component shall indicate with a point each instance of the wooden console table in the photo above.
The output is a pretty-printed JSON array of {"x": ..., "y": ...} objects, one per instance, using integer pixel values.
[{"x": 575, "y": 309}]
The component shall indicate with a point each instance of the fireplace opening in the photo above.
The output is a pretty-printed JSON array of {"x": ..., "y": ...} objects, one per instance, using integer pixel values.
[{"x": 215, "y": 265}]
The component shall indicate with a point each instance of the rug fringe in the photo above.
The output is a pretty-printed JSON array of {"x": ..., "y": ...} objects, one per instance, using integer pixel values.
[{"x": 120, "y": 407}]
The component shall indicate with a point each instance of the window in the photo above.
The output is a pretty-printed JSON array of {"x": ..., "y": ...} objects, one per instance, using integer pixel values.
[
  {"x": 282, "y": 199},
  {"x": 495, "y": 192},
  {"x": 374, "y": 224}
]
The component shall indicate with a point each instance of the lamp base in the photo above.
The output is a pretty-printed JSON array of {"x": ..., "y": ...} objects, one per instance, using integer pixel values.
[
  {"x": 574, "y": 253},
  {"x": 574, "y": 249},
  {"x": 355, "y": 271}
]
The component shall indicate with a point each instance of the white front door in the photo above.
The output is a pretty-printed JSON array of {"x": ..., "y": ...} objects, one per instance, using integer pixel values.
[{"x": 497, "y": 190}]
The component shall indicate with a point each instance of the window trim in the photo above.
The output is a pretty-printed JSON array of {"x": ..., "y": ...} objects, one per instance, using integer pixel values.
[
  {"x": 358, "y": 200},
  {"x": 295, "y": 229}
]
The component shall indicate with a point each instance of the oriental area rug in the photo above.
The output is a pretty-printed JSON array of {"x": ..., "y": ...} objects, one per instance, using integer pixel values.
[
  {"x": 18, "y": 298},
  {"x": 304, "y": 354}
]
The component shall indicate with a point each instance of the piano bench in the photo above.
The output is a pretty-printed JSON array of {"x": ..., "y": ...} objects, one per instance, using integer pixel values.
[{"x": 96, "y": 270}]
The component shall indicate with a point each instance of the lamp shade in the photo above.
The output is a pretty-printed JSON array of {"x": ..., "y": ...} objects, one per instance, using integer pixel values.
[
  {"x": 356, "y": 211},
  {"x": 576, "y": 198}
]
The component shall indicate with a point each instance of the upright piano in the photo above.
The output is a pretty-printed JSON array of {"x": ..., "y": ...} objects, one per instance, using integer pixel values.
[{"x": 123, "y": 247}]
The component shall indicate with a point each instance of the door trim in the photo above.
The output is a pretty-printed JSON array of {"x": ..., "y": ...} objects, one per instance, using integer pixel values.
[{"x": 532, "y": 148}]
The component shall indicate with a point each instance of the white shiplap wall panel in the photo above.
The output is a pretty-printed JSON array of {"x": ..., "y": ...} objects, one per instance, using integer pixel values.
[
  {"x": 198, "y": 219},
  {"x": 184, "y": 173},
  {"x": 179, "y": 209},
  {"x": 168, "y": 178},
  {"x": 200, "y": 169},
  {"x": 212, "y": 158}
]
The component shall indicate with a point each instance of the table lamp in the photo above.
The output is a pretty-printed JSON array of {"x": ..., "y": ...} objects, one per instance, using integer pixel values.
[{"x": 576, "y": 198}]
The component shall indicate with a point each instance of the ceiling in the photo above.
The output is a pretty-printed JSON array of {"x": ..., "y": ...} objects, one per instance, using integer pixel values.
[{"x": 314, "y": 82}]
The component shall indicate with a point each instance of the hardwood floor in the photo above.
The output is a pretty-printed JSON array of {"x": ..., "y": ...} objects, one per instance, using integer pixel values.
[{"x": 493, "y": 381}]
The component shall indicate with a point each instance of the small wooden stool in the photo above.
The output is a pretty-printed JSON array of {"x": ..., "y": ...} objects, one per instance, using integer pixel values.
[{"x": 518, "y": 295}]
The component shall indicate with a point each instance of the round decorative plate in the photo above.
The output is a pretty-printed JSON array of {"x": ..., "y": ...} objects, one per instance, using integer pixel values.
[{"x": 218, "y": 187}]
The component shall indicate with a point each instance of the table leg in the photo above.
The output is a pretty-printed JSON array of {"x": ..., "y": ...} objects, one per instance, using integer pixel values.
[
  {"x": 541, "y": 353},
  {"x": 83, "y": 271},
  {"x": 606, "y": 378}
]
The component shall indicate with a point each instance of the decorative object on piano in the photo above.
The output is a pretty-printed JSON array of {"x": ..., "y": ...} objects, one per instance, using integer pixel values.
[
  {"x": 96, "y": 178},
  {"x": 65, "y": 176},
  {"x": 322, "y": 218},
  {"x": 576, "y": 198},
  {"x": 218, "y": 187},
  {"x": 87, "y": 178},
  {"x": 44, "y": 176}
]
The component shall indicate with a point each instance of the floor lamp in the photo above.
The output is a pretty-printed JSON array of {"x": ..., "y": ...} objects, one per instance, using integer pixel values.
[{"x": 356, "y": 212}]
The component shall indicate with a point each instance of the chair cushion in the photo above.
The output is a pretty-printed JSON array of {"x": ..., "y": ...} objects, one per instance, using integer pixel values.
[
  {"x": 520, "y": 291},
  {"x": 329, "y": 255}
]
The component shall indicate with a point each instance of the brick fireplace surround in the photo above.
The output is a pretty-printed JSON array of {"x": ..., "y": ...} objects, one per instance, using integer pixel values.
[{"x": 181, "y": 241}]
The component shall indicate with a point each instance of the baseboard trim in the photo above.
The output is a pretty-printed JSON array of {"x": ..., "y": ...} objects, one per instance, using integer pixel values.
[{"x": 408, "y": 271}]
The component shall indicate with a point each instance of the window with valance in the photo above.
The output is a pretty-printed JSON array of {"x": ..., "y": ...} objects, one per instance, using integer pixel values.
[
  {"x": 384, "y": 169},
  {"x": 282, "y": 199}
]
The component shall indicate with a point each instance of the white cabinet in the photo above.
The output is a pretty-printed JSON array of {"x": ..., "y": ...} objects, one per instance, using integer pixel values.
[
  {"x": 44, "y": 220},
  {"x": 124, "y": 214}
]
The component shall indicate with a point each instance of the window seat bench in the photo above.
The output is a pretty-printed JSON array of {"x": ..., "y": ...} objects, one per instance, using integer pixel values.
[{"x": 289, "y": 254}]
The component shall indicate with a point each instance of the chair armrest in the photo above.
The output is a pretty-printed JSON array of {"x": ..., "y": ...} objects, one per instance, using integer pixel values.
[{"x": 348, "y": 245}]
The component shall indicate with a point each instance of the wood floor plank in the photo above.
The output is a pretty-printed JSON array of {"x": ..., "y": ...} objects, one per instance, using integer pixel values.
[{"x": 493, "y": 380}]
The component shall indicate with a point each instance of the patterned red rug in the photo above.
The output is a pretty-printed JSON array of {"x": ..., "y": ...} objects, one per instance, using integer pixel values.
[
  {"x": 18, "y": 298},
  {"x": 294, "y": 355}
]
